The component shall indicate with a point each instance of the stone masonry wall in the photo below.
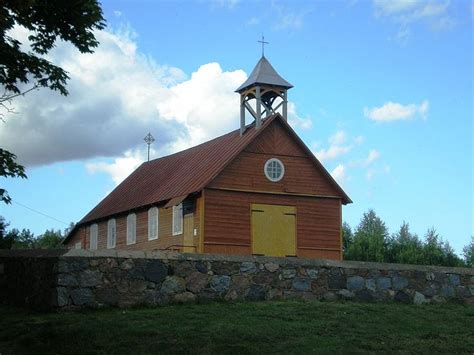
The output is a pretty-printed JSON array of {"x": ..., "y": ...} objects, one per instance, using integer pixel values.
[{"x": 78, "y": 278}]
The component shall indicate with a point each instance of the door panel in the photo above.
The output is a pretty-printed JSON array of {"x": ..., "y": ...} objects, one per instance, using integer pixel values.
[
  {"x": 273, "y": 230},
  {"x": 188, "y": 239}
]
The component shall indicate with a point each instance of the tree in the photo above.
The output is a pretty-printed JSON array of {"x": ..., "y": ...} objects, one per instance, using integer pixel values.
[
  {"x": 5, "y": 241},
  {"x": 433, "y": 248},
  {"x": 22, "y": 240},
  {"x": 23, "y": 71},
  {"x": 51, "y": 239},
  {"x": 468, "y": 253},
  {"x": 405, "y": 247},
  {"x": 370, "y": 239},
  {"x": 347, "y": 237},
  {"x": 9, "y": 168}
]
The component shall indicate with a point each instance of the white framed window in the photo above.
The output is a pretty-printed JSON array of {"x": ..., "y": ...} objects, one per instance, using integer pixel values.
[
  {"x": 274, "y": 169},
  {"x": 78, "y": 245},
  {"x": 178, "y": 219},
  {"x": 153, "y": 223},
  {"x": 131, "y": 228},
  {"x": 93, "y": 236},
  {"x": 111, "y": 233}
]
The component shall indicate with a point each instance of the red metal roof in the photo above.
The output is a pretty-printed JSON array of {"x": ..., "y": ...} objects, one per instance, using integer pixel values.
[{"x": 183, "y": 173}]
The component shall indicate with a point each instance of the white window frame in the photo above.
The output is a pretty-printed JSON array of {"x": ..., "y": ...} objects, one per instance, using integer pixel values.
[
  {"x": 93, "y": 236},
  {"x": 270, "y": 161},
  {"x": 111, "y": 233},
  {"x": 153, "y": 223},
  {"x": 78, "y": 245},
  {"x": 131, "y": 229},
  {"x": 178, "y": 219}
]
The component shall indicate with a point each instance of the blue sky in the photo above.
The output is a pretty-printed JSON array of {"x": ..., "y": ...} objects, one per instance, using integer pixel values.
[{"x": 382, "y": 95}]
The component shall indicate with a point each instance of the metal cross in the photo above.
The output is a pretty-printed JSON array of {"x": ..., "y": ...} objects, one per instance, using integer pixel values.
[
  {"x": 263, "y": 45},
  {"x": 148, "y": 140}
]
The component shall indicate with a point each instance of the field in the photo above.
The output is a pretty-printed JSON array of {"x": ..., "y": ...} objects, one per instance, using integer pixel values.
[{"x": 271, "y": 327}]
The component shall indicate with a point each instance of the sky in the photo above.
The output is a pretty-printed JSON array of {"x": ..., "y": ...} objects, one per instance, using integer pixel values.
[{"x": 383, "y": 95}]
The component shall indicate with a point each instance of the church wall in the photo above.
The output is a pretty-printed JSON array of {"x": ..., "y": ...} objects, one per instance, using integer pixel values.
[
  {"x": 227, "y": 222},
  {"x": 246, "y": 172},
  {"x": 165, "y": 237}
]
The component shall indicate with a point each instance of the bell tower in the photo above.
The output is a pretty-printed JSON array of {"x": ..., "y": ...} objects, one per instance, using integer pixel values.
[{"x": 267, "y": 90}]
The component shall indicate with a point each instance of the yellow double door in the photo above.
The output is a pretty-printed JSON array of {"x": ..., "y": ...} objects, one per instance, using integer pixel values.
[{"x": 273, "y": 230}]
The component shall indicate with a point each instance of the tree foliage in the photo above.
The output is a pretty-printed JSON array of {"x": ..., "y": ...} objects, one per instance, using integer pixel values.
[
  {"x": 371, "y": 242},
  {"x": 9, "y": 168},
  {"x": 47, "y": 21},
  {"x": 370, "y": 239},
  {"x": 468, "y": 253},
  {"x": 24, "y": 70},
  {"x": 25, "y": 239}
]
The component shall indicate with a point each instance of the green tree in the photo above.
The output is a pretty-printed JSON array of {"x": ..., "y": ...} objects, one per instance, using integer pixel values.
[
  {"x": 23, "y": 239},
  {"x": 24, "y": 70},
  {"x": 405, "y": 247},
  {"x": 347, "y": 237},
  {"x": 50, "y": 239},
  {"x": 433, "y": 248},
  {"x": 9, "y": 168},
  {"x": 468, "y": 253},
  {"x": 5, "y": 240},
  {"x": 370, "y": 239}
]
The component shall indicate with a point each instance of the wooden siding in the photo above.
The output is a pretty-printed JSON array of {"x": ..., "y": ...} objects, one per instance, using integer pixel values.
[
  {"x": 227, "y": 224},
  {"x": 301, "y": 176}
]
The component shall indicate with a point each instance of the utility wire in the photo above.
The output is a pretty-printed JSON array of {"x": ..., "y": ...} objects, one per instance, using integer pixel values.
[{"x": 41, "y": 213}]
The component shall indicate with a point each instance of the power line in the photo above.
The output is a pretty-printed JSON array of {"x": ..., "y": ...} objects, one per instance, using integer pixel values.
[{"x": 41, "y": 213}]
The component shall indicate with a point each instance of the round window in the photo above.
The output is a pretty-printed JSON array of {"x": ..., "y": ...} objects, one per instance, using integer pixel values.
[{"x": 274, "y": 169}]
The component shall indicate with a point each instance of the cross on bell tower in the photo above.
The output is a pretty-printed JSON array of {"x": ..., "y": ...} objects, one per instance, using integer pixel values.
[{"x": 267, "y": 88}]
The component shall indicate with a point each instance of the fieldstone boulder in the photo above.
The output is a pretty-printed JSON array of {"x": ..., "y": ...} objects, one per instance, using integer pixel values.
[
  {"x": 62, "y": 296},
  {"x": 403, "y": 297},
  {"x": 226, "y": 268},
  {"x": 399, "y": 283},
  {"x": 336, "y": 279},
  {"x": 301, "y": 284},
  {"x": 345, "y": 294},
  {"x": 454, "y": 279},
  {"x": 370, "y": 285},
  {"x": 248, "y": 267},
  {"x": 108, "y": 296},
  {"x": 81, "y": 296},
  {"x": 288, "y": 273},
  {"x": 173, "y": 284},
  {"x": 196, "y": 281},
  {"x": 419, "y": 298},
  {"x": 185, "y": 297},
  {"x": 355, "y": 283},
  {"x": 127, "y": 264},
  {"x": 383, "y": 283},
  {"x": 67, "y": 280},
  {"x": 89, "y": 278},
  {"x": 220, "y": 283},
  {"x": 312, "y": 273},
  {"x": 156, "y": 271},
  {"x": 447, "y": 291},
  {"x": 256, "y": 293},
  {"x": 272, "y": 267}
]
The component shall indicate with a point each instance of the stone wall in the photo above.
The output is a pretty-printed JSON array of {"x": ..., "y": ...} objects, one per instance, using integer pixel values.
[{"x": 79, "y": 278}]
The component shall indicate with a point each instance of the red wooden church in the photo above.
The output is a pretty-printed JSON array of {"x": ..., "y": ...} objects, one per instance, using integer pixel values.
[{"x": 256, "y": 190}]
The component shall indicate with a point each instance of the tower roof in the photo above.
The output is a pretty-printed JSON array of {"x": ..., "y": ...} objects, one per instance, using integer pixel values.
[{"x": 264, "y": 73}]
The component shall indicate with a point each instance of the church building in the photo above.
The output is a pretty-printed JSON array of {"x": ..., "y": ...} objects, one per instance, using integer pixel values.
[{"x": 256, "y": 190}]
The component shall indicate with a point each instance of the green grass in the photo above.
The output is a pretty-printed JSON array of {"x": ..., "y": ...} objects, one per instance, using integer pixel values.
[{"x": 272, "y": 327}]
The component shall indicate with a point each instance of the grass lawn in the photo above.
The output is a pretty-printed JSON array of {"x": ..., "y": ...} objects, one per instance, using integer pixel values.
[{"x": 272, "y": 327}]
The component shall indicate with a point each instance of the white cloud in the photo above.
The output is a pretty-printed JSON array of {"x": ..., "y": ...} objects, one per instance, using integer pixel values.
[
  {"x": 373, "y": 155},
  {"x": 336, "y": 147},
  {"x": 339, "y": 174},
  {"x": 253, "y": 21},
  {"x": 393, "y": 111},
  {"x": 295, "y": 120},
  {"x": 230, "y": 4},
  {"x": 121, "y": 167},
  {"x": 434, "y": 13},
  {"x": 286, "y": 18},
  {"x": 117, "y": 13},
  {"x": 118, "y": 95}
]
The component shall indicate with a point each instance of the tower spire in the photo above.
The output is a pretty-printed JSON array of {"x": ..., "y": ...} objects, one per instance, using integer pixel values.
[
  {"x": 267, "y": 88},
  {"x": 263, "y": 45}
]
